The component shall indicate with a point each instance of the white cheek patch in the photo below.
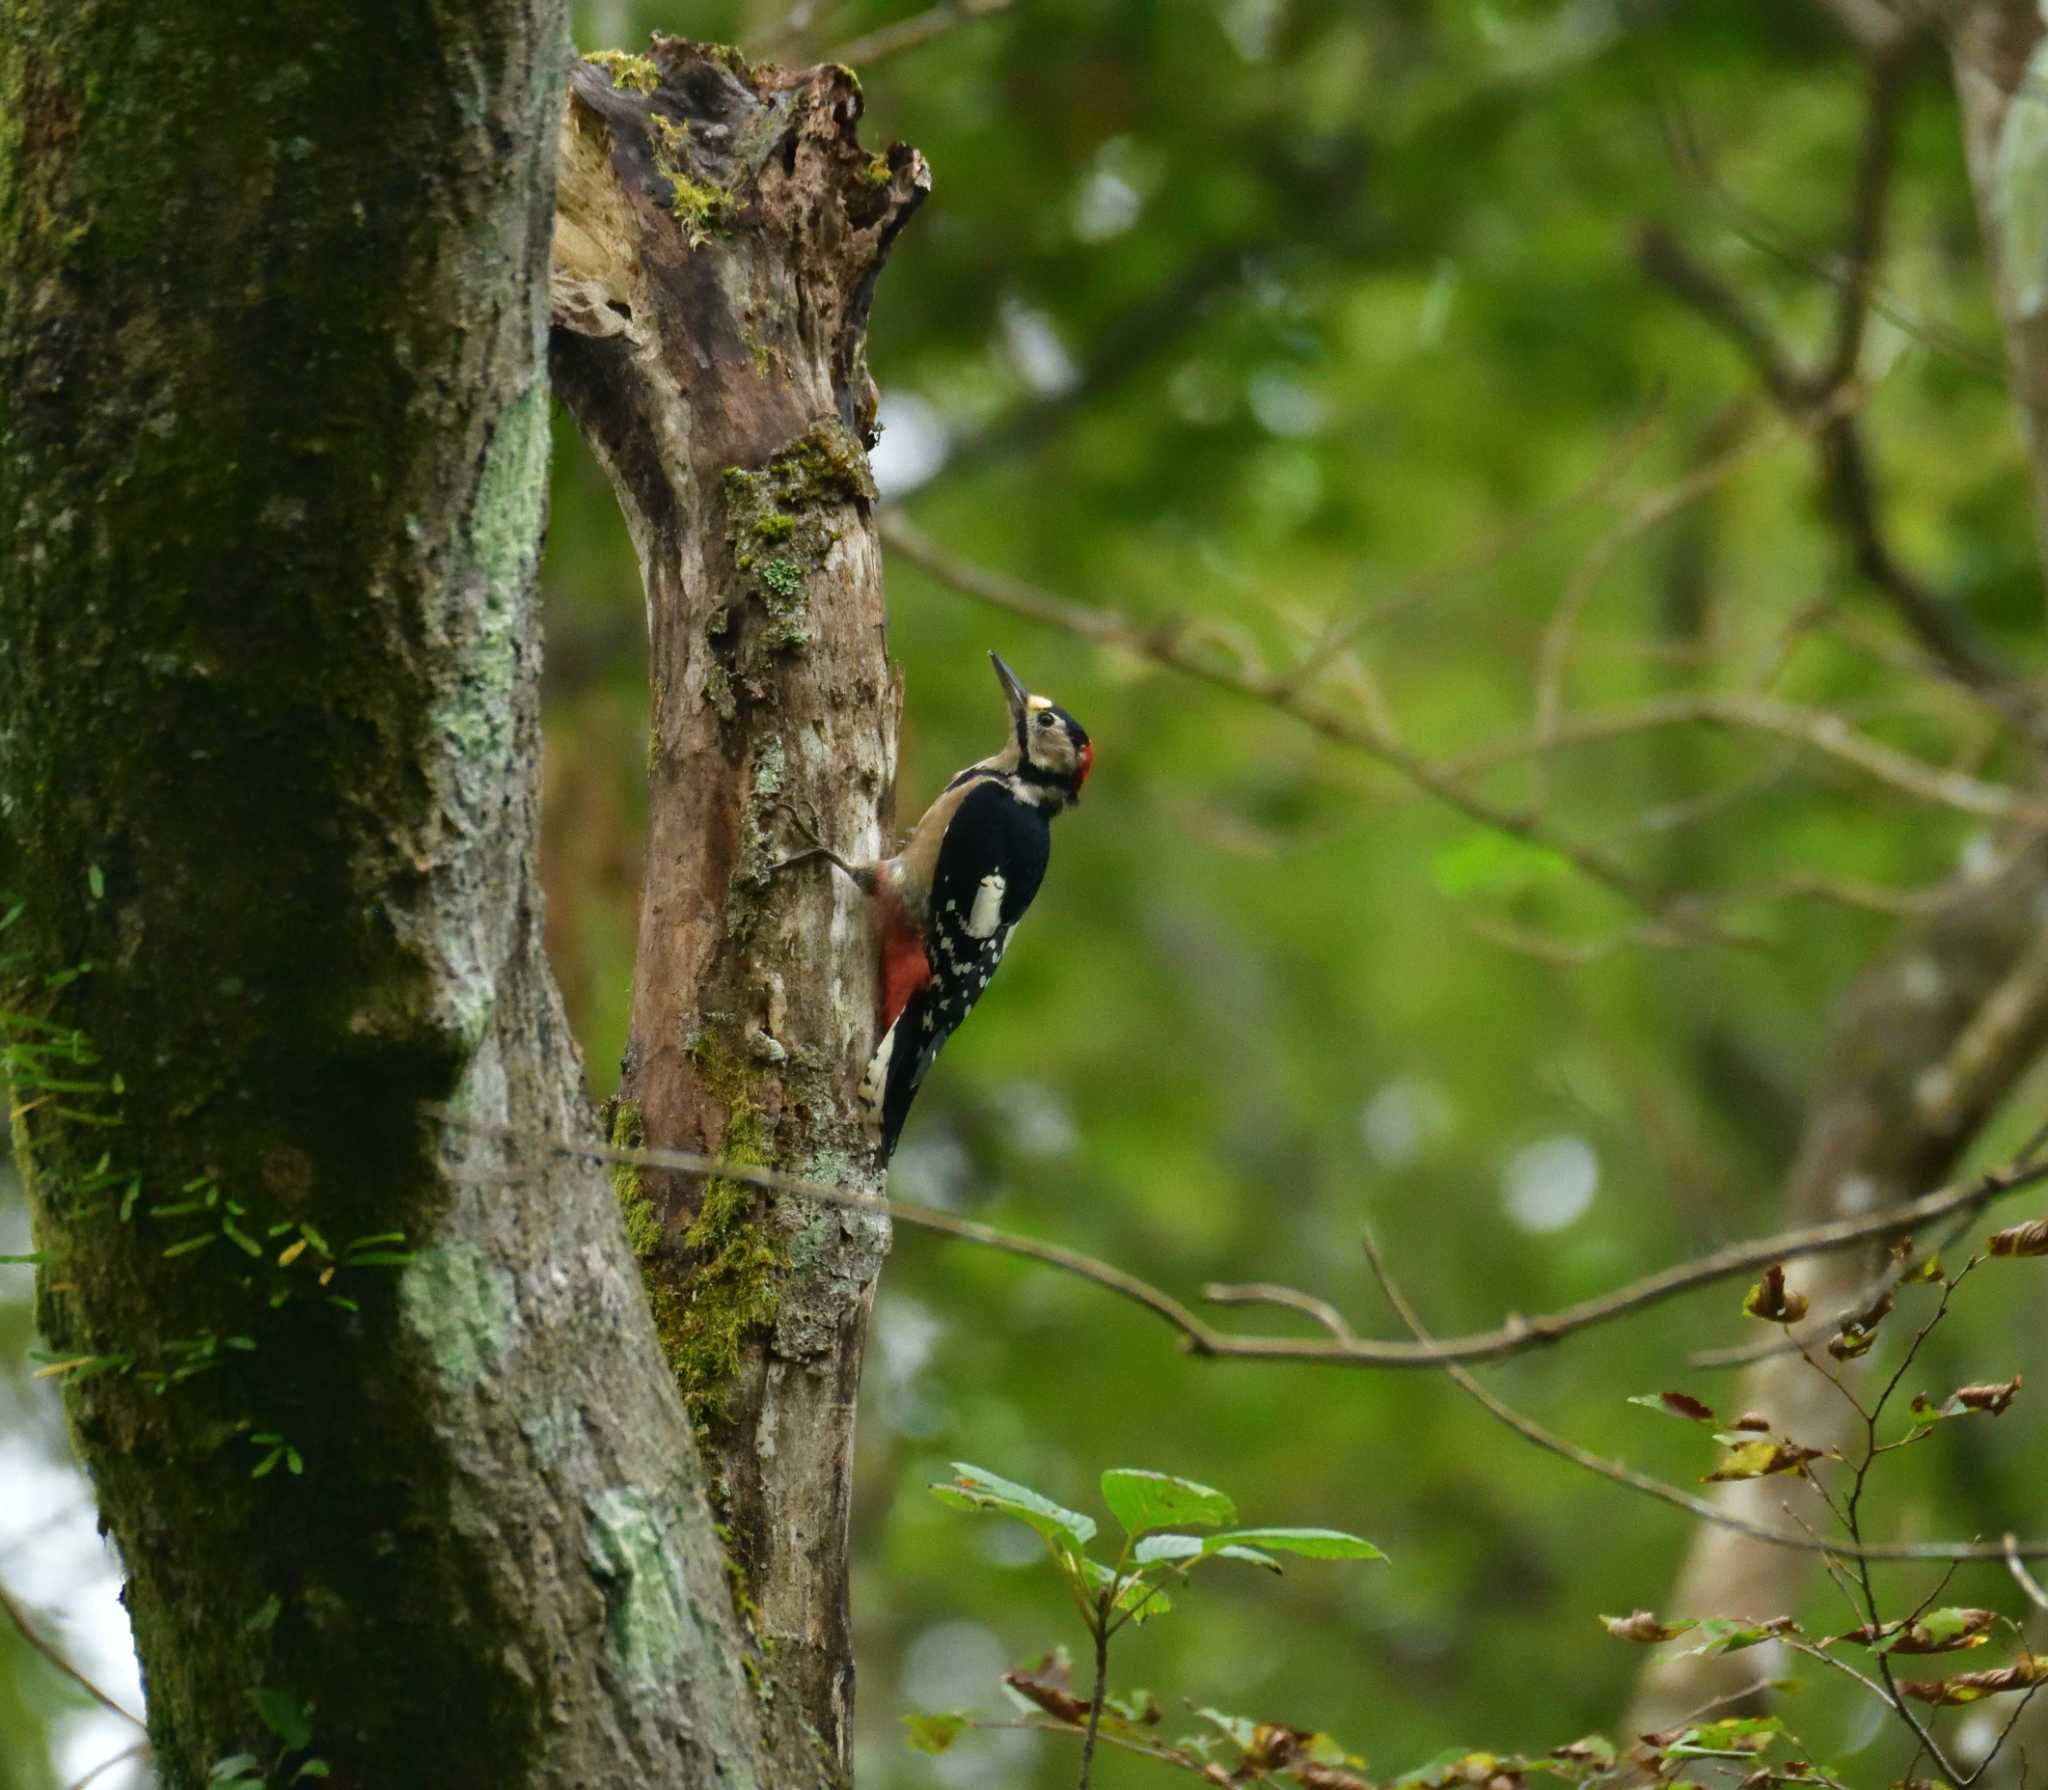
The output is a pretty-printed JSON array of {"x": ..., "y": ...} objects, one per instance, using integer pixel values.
[{"x": 987, "y": 914}]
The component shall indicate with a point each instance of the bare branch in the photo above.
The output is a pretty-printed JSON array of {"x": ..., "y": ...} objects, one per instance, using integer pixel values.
[
  {"x": 2026, "y": 1580},
  {"x": 48, "y": 1649},
  {"x": 1620, "y": 1474},
  {"x": 1817, "y": 729},
  {"x": 1847, "y": 484},
  {"x": 908, "y": 34},
  {"x": 106, "y": 1765},
  {"x": 1173, "y": 645},
  {"x": 1200, "y": 1338},
  {"x": 1292, "y": 1298}
]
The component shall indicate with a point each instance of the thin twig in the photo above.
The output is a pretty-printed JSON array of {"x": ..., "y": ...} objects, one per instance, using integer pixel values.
[
  {"x": 1172, "y": 647},
  {"x": 1293, "y": 1298},
  {"x": 1818, "y": 729},
  {"x": 106, "y": 1765},
  {"x": 1531, "y": 1431},
  {"x": 2026, "y": 1580},
  {"x": 48, "y": 1649},
  {"x": 908, "y": 34}
]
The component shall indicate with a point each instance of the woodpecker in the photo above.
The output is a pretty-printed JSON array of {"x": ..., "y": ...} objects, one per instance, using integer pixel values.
[{"x": 946, "y": 904}]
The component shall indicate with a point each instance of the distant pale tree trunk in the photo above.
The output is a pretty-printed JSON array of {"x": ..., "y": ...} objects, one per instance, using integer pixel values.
[
  {"x": 1936, "y": 1034},
  {"x": 1999, "y": 72},
  {"x": 720, "y": 234},
  {"x": 372, "y": 1401},
  {"x": 1926, "y": 1045}
]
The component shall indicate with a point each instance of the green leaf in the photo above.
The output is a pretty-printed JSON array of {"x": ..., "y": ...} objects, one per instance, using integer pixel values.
[
  {"x": 192, "y": 1243},
  {"x": 237, "y": 1767},
  {"x": 1253, "y": 1555},
  {"x": 1143, "y": 1501},
  {"x": 96, "y": 882},
  {"x": 1155, "y": 1548},
  {"x": 290, "y": 1718},
  {"x": 30, "y": 1260},
  {"x": 973, "y": 1488},
  {"x": 1721, "y": 1634},
  {"x": 1488, "y": 862},
  {"x": 1739, "y": 1737},
  {"x": 1138, "y": 1597},
  {"x": 1317, "y": 1544},
  {"x": 933, "y": 1733},
  {"x": 264, "y": 1618},
  {"x": 1168, "y": 1546},
  {"x": 313, "y": 1768}
]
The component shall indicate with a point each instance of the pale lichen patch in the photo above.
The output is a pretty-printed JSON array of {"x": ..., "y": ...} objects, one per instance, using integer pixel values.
[
  {"x": 649, "y": 1622},
  {"x": 461, "y": 1306}
]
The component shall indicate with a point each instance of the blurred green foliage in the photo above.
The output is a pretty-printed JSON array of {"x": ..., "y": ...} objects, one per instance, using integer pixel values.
[{"x": 1256, "y": 317}]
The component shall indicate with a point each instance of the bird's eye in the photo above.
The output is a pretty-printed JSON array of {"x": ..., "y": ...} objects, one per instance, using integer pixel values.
[{"x": 1045, "y": 720}]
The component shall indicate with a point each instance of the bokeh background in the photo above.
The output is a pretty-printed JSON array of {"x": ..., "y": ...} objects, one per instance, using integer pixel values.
[{"x": 1273, "y": 323}]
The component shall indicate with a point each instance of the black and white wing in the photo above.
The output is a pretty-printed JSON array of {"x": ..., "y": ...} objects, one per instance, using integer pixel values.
[{"x": 990, "y": 865}]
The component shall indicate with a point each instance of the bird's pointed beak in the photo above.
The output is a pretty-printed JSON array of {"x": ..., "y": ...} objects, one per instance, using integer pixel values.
[{"x": 1016, "y": 693}]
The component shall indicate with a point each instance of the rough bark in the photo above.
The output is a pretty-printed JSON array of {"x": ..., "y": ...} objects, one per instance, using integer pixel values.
[
  {"x": 720, "y": 233},
  {"x": 271, "y": 484},
  {"x": 1925, "y": 1046}
]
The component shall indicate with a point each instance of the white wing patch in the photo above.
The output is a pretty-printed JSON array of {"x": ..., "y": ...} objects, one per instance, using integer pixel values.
[{"x": 988, "y": 907}]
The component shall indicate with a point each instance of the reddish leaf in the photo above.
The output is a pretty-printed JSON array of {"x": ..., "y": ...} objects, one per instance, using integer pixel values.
[
  {"x": 1751, "y": 1420},
  {"x": 1675, "y": 1404},
  {"x": 1967, "y": 1687},
  {"x": 1644, "y": 1628},
  {"x": 1991, "y": 1397},
  {"x": 1771, "y": 1300},
  {"x": 1046, "y": 1685},
  {"x": 2022, "y": 1239},
  {"x": 1939, "y": 1631}
]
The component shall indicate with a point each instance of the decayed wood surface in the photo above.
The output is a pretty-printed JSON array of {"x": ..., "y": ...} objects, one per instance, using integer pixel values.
[{"x": 719, "y": 236}]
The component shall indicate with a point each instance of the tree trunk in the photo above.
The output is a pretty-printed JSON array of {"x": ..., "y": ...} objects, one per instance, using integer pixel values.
[
  {"x": 720, "y": 233},
  {"x": 1997, "y": 53},
  {"x": 375, "y": 1415},
  {"x": 1927, "y": 1043}
]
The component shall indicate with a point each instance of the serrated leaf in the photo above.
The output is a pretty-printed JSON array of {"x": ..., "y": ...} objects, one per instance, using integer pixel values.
[
  {"x": 974, "y": 1488},
  {"x": 1142, "y": 1501},
  {"x": 933, "y": 1734}
]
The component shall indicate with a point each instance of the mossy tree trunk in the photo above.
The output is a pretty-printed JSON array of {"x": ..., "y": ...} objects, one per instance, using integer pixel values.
[
  {"x": 719, "y": 235},
  {"x": 372, "y": 1404}
]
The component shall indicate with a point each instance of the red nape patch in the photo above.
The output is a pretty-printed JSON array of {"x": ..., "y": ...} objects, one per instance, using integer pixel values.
[
  {"x": 905, "y": 968},
  {"x": 1087, "y": 763}
]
